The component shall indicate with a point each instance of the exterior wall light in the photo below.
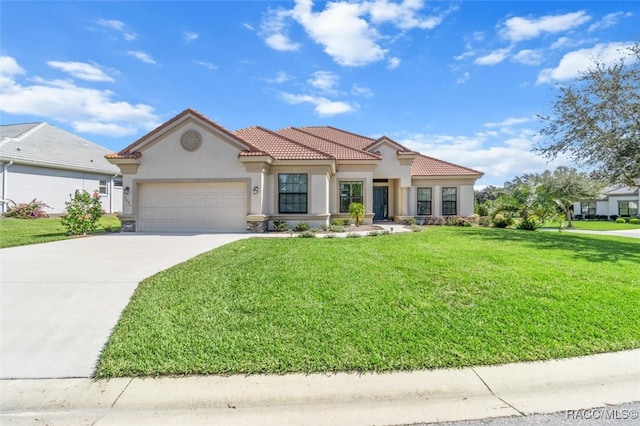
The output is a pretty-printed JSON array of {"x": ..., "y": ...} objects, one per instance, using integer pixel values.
[
  {"x": 126, "y": 190},
  {"x": 256, "y": 190}
]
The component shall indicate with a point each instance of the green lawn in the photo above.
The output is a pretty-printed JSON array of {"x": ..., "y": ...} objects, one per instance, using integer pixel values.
[
  {"x": 20, "y": 232},
  {"x": 597, "y": 225},
  {"x": 446, "y": 297}
]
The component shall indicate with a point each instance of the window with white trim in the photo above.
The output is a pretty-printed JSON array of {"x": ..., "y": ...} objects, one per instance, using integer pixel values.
[{"x": 103, "y": 188}]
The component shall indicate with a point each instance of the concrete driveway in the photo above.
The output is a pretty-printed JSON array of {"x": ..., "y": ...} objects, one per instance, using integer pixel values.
[{"x": 61, "y": 300}]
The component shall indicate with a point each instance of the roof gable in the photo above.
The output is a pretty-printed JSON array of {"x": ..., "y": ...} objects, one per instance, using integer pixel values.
[{"x": 134, "y": 150}]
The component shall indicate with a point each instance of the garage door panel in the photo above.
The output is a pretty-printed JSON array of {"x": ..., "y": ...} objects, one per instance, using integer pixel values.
[{"x": 193, "y": 207}]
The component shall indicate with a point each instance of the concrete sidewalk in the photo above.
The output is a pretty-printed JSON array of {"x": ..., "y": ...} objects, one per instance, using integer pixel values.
[{"x": 339, "y": 399}]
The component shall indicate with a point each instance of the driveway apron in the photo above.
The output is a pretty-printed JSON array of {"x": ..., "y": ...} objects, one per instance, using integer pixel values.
[{"x": 61, "y": 300}]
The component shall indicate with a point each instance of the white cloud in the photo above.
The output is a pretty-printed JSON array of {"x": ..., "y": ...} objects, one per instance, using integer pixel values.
[
  {"x": 111, "y": 23},
  {"x": 348, "y": 31},
  {"x": 323, "y": 107},
  {"x": 463, "y": 78},
  {"x": 9, "y": 69},
  {"x": 393, "y": 63},
  {"x": 346, "y": 37},
  {"x": 248, "y": 26},
  {"x": 361, "y": 91},
  {"x": 510, "y": 122},
  {"x": 325, "y": 81},
  {"x": 142, "y": 56},
  {"x": 519, "y": 28},
  {"x": 85, "y": 109},
  {"x": 81, "y": 70},
  {"x": 281, "y": 77},
  {"x": 119, "y": 26},
  {"x": 207, "y": 65},
  {"x": 274, "y": 30},
  {"x": 529, "y": 57},
  {"x": 494, "y": 57},
  {"x": 609, "y": 20},
  {"x": 573, "y": 63},
  {"x": 190, "y": 36}
]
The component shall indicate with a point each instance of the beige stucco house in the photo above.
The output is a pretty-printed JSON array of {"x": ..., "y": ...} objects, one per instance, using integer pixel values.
[
  {"x": 616, "y": 201},
  {"x": 192, "y": 175}
]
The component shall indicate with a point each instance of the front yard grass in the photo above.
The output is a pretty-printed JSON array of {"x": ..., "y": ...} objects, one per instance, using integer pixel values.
[
  {"x": 20, "y": 232},
  {"x": 446, "y": 297},
  {"x": 599, "y": 225}
]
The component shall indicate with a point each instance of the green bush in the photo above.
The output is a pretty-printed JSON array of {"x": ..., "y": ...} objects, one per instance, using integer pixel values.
[
  {"x": 83, "y": 212},
  {"x": 634, "y": 221},
  {"x": 280, "y": 225},
  {"x": 530, "y": 223},
  {"x": 356, "y": 211},
  {"x": 307, "y": 234},
  {"x": 337, "y": 228},
  {"x": 621, "y": 220},
  {"x": 337, "y": 222},
  {"x": 302, "y": 226},
  {"x": 484, "y": 221},
  {"x": 31, "y": 210},
  {"x": 499, "y": 221}
]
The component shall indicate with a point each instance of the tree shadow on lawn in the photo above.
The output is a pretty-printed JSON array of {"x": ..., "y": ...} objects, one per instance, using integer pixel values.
[{"x": 592, "y": 248}]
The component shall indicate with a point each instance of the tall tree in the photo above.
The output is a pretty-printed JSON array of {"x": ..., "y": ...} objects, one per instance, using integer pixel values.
[
  {"x": 596, "y": 120},
  {"x": 564, "y": 186}
]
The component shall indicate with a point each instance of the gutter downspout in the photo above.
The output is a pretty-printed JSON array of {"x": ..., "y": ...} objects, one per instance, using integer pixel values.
[
  {"x": 5, "y": 166},
  {"x": 111, "y": 192}
]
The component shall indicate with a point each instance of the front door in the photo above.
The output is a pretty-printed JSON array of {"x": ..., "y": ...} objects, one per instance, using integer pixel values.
[{"x": 380, "y": 203}]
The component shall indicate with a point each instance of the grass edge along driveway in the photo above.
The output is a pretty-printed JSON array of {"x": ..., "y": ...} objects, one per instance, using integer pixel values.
[{"x": 446, "y": 297}]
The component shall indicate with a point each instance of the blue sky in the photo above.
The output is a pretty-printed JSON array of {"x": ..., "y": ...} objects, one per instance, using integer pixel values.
[{"x": 460, "y": 81}]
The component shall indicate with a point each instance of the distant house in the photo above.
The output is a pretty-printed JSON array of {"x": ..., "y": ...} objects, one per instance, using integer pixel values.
[
  {"x": 192, "y": 175},
  {"x": 618, "y": 201},
  {"x": 38, "y": 160}
]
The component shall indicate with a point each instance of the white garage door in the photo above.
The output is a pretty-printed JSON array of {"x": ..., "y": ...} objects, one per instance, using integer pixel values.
[{"x": 193, "y": 207}]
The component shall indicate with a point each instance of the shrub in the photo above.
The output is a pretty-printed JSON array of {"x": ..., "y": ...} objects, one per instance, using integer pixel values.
[
  {"x": 337, "y": 222},
  {"x": 280, "y": 225},
  {"x": 337, "y": 228},
  {"x": 83, "y": 212},
  {"x": 620, "y": 220},
  {"x": 458, "y": 221},
  {"x": 499, "y": 221},
  {"x": 307, "y": 234},
  {"x": 434, "y": 220},
  {"x": 484, "y": 221},
  {"x": 31, "y": 210},
  {"x": 634, "y": 221},
  {"x": 613, "y": 217},
  {"x": 302, "y": 226},
  {"x": 530, "y": 223},
  {"x": 416, "y": 228}
]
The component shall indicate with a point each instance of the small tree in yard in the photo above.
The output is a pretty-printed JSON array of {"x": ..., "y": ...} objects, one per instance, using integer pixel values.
[
  {"x": 83, "y": 213},
  {"x": 356, "y": 211}
]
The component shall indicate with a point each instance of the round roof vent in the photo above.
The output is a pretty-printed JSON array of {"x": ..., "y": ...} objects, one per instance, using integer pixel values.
[{"x": 191, "y": 140}]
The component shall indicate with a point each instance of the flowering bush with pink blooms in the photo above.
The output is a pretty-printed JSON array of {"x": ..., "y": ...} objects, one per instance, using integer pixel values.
[
  {"x": 84, "y": 211},
  {"x": 32, "y": 210}
]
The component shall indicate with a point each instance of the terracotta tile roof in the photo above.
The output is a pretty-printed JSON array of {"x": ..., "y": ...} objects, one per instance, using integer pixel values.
[
  {"x": 279, "y": 147},
  {"x": 337, "y": 150},
  {"x": 429, "y": 166},
  {"x": 340, "y": 136}
]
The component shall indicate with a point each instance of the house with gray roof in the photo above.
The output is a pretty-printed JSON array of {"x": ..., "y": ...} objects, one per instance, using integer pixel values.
[
  {"x": 38, "y": 160},
  {"x": 615, "y": 201}
]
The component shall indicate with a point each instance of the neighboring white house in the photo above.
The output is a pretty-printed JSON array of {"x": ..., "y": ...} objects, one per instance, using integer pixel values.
[
  {"x": 614, "y": 201},
  {"x": 38, "y": 160},
  {"x": 192, "y": 175}
]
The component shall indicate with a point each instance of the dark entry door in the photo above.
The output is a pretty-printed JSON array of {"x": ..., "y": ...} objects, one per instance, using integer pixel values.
[{"x": 380, "y": 202}]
